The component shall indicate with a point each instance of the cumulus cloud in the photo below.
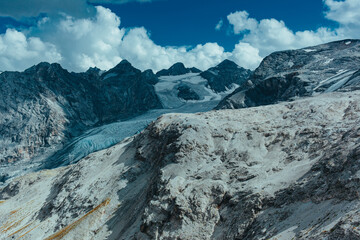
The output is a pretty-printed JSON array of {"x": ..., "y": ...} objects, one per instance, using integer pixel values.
[
  {"x": 99, "y": 40},
  {"x": 241, "y": 21},
  {"x": 246, "y": 55},
  {"x": 80, "y": 43},
  {"x": 269, "y": 35},
  {"x": 344, "y": 12},
  {"x": 85, "y": 42},
  {"x": 18, "y": 52}
]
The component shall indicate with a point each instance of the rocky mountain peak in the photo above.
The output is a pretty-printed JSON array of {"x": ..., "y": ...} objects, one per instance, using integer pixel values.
[
  {"x": 150, "y": 77},
  {"x": 227, "y": 64},
  {"x": 223, "y": 76},
  {"x": 177, "y": 69},
  {"x": 124, "y": 67},
  {"x": 289, "y": 74},
  {"x": 93, "y": 70}
]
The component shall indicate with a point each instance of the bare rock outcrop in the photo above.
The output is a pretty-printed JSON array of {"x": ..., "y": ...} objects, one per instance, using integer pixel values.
[{"x": 284, "y": 171}]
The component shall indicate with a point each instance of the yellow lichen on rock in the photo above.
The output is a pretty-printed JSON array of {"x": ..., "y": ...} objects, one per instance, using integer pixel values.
[{"x": 60, "y": 234}]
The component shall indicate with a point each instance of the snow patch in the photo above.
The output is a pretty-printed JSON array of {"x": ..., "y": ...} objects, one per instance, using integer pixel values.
[
  {"x": 328, "y": 61},
  {"x": 309, "y": 50},
  {"x": 336, "y": 81},
  {"x": 109, "y": 75},
  {"x": 214, "y": 72}
]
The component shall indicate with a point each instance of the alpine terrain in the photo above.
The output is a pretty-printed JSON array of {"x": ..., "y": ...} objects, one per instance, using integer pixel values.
[{"x": 125, "y": 154}]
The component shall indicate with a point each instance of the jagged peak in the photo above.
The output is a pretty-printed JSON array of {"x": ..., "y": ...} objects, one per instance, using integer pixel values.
[
  {"x": 227, "y": 63},
  {"x": 177, "y": 69},
  {"x": 45, "y": 66},
  {"x": 124, "y": 64},
  {"x": 148, "y": 72},
  {"x": 177, "y": 65},
  {"x": 93, "y": 69}
]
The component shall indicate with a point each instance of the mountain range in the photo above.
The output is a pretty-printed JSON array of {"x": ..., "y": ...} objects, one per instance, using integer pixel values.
[
  {"x": 286, "y": 75},
  {"x": 92, "y": 156},
  {"x": 44, "y": 108}
]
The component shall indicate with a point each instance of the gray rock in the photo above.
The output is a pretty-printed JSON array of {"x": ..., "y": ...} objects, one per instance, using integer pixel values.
[
  {"x": 45, "y": 106},
  {"x": 283, "y": 171},
  {"x": 186, "y": 93},
  {"x": 223, "y": 76},
  {"x": 290, "y": 74},
  {"x": 177, "y": 69}
]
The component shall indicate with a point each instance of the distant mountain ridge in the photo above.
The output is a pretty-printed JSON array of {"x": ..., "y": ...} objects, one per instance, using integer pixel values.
[
  {"x": 46, "y": 105},
  {"x": 223, "y": 76},
  {"x": 177, "y": 69},
  {"x": 309, "y": 71}
]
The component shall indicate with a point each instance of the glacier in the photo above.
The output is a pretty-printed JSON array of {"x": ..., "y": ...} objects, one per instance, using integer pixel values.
[{"x": 107, "y": 135}]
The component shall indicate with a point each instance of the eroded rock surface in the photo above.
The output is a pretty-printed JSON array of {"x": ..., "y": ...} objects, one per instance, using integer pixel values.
[
  {"x": 287, "y": 75},
  {"x": 284, "y": 171},
  {"x": 45, "y": 106},
  {"x": 223, "y": 76}
]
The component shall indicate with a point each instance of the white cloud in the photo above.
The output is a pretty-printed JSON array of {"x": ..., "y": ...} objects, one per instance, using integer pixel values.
[
  {"x": 98, "y": 40},
  {"x": 18, "y": 52},
  {"x": 344, "y": 12},
  {"x": 246, "y": 55},
  {"x": 219, "y": 25},
  {"x": 140, "y": 50},
  {"x": 241, "y": 21},
  {"x": 86, "y": 42},
  {"x": 269, "y": 35}
]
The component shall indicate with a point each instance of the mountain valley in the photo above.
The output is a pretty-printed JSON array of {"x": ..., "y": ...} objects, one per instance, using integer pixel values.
[{"x": 225, "y": 153}]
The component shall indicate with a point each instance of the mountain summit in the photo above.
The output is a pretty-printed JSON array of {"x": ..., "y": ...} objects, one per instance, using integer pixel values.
[
  {"x": 290, "y": 74},
  {"x": 224, "y": 75},
  {"x": 45, "y": 106},
  {"x": 177, "y": 69}
]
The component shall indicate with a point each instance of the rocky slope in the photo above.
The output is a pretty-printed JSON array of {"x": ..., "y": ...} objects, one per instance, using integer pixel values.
[
  {"x": 290, "y": 74},
  {"x": 284, "y": 171},
  {"x": 45, "y": 106},
  {"x": 225, "y": 75},
  {"x": 51, "y": 118}
]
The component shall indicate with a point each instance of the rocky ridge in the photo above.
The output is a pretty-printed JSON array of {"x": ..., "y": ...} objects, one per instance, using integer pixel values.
[
  {"x": 177, "y": 69},
  {"x": 223, "y": 76},
  {"x": 287, "y": 75},
  {"x": 51, "y": 117},
  {"x": 45, "y": 106},
  {"x": 283, "y": 171}
]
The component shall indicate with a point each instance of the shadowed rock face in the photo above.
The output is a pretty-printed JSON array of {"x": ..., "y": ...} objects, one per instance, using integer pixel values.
[
  {"x": 186, "y": 93},
  {"x": 125, "y": 92},
  {"x": 224, "y": 75},
  {"x": 177, "y": 69},
  {"x": 283, "y": 171},
  {"x": 46, "y": 105},
  {"x": 324, "y": 68}
]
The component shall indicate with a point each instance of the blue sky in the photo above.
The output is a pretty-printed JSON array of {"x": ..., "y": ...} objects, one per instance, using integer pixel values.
[
  {"x": 190, "y": 22},
  {"x": 155, "y": 34}
]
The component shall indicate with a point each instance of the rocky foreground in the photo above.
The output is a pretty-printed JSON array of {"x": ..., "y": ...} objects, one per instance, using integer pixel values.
[{"x": 284, "y": 171}]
